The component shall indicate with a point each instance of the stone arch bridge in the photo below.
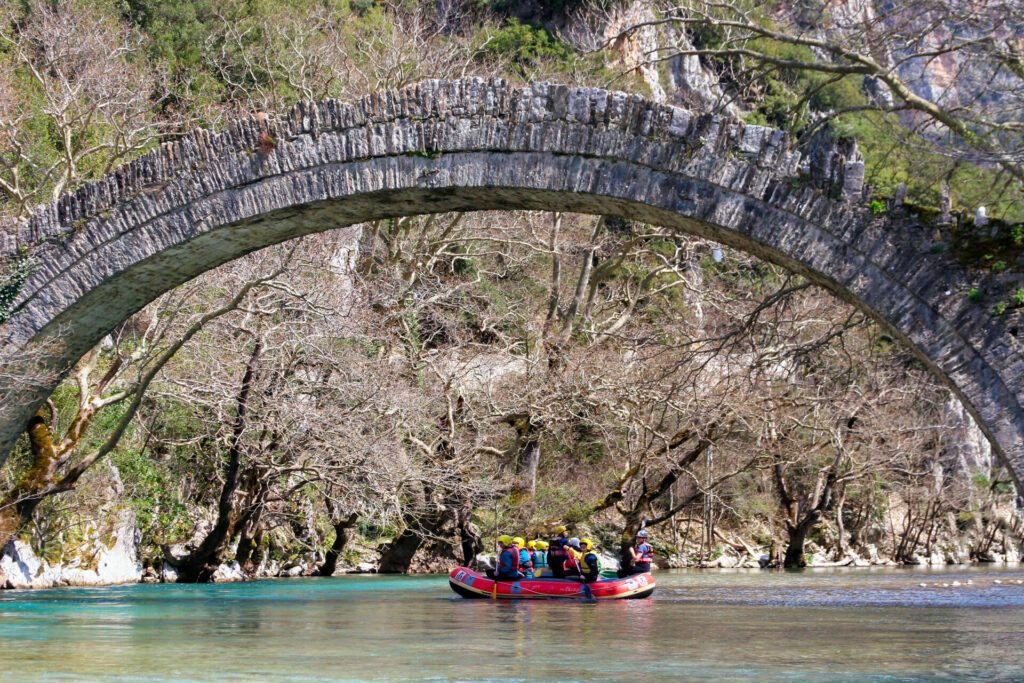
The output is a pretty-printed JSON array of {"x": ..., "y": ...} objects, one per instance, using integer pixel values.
[{"x": 103, "y": 252}]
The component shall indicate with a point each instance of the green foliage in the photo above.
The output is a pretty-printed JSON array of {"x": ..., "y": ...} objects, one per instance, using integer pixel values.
[
  {"x": 527, "y": 47},
  {"x": 12, "y": 282},
  {"x": 878, "y": 206},
  {"x": 151, "y": 491},
  {"x": 894, "y": 156},
  {"x": 999, "y": 308},
  {"x": 998, "y": 267},
  {"x": 975, "y": 294},
  {"x": 787, "y": 96},
  {"x": 1017, "y": 297}
]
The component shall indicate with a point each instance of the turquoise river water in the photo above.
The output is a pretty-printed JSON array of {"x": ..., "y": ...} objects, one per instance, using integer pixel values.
[{"x": 817, "y": 625}]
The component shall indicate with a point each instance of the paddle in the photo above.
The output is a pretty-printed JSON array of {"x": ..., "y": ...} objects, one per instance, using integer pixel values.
[
  {"x": 494, "y": 581},
  {"x": 584, "y": 586}
]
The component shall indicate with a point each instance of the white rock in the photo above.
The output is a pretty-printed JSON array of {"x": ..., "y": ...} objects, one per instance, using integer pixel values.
[
  {"x": 608, "y": 561},
  {"x": 485, "y": 560},
  {"x": 295, "y": 571},
  {"x": 980, "y": 217},
  {"x": 366, "y": 568},
  {"x": 997, "y": 581},
  {"x": 727, "y": 561},
  {"x": 955, "y": 584},
  {"x": 231, "y": 571},
  {"x": 169, "y": 574},
  {"x": 19, "y": 565}
]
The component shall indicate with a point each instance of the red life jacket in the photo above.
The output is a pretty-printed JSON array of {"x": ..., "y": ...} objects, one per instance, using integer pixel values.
[
  {"x": 646, "y": 553},
  {"x": 508, "y": 562}
]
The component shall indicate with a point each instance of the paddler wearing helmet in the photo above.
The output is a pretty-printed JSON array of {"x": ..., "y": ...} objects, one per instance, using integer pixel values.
[
  {"x": 540, "y": 559},
  {"x": 573, "y": 566},
  {"x": 508, "y": 559},
  {"x": 558, "y": 553},
  {"x": 525, "y": 561},
  {"x": 642, "y": 553},
  {"x": 590, "y": 563}
]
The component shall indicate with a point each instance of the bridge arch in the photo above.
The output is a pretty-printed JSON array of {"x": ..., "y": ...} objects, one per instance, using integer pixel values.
[{"x": 105, "y": 251}]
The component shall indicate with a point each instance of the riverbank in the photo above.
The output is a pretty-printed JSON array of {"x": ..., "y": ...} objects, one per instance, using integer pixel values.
[{"x": 119, "y": 564}]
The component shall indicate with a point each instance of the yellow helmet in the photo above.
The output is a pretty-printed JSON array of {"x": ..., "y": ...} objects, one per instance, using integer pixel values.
[
  {"x": 560, "y": 529},
  {"x": 542, "y": 545},
  {"x": 518, "y": 540},
  {"x": 586, "y": 543},
  {"x": 505, "y": 539},
  {"x": 532, "y": 545}
]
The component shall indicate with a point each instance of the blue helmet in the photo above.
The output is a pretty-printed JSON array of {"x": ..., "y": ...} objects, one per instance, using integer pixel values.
[{"x": 642, "y": 533}]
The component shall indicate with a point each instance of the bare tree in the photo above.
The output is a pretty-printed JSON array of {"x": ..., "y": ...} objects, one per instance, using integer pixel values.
[
  {"x": 951, "y": 69},
  {"x": 87, "y": 83}
]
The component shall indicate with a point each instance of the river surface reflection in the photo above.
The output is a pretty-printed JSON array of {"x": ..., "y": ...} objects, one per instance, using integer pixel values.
[{"x": 817, "y": 625}]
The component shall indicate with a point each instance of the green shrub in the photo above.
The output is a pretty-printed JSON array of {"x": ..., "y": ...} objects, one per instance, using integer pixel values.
[
  {"x": 975, "y": 294},
  {"x": 528, "y": 47}
]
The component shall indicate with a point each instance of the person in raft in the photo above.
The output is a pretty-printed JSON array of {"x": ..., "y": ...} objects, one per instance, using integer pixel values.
[
  {"x": 573, "y": 566},
  {"x": 642, "y": 554},
  {"x": 558, "y": 553},
  {"x": 508, "y": 560},
  {"x": 540, "y": 559},
  {"x": 532, "y": 547},
  {"x": 590, "y": 563},
  {"x": 525, "y": 561}
]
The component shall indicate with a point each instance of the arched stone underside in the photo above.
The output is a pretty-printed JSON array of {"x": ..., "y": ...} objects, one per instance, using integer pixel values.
[{"x": 104, "y": 252}]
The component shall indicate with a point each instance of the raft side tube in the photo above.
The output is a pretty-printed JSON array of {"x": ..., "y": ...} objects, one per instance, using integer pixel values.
[{"x": 468, "y": 583}]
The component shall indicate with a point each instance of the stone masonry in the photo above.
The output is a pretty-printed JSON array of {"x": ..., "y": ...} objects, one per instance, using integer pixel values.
[{"x": 103, "y": 252}]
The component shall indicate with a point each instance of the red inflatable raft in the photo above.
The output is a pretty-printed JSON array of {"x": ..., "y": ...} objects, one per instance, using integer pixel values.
[{"x": 471, "y": 584}]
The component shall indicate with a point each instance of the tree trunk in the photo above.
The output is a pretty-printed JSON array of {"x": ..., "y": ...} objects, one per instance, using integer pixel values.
[
  {"x": 249, "y": 555},
  {"x": 527, "y": 453},
  {"x": 529, "y": 459},
  {"x": 470, "y": 540},
  {"x": 198, "y": 566},
  {"x": 425, "y": 520},
  {"x": 17, "y": 506},
  {"x": 795, "y": 548},
  {"x": 634, "y": 520},
  {"x": 341, "y": 536},
  {"x": 398, "y": 556}
]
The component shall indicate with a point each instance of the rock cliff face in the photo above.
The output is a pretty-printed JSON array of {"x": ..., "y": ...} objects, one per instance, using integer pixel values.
[{"x": 103, "y": 559}]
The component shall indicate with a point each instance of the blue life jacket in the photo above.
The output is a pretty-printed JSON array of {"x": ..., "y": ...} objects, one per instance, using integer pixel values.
[
  {"x": 540, "y": 559},
  {"x": 525, "y": 562}
]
